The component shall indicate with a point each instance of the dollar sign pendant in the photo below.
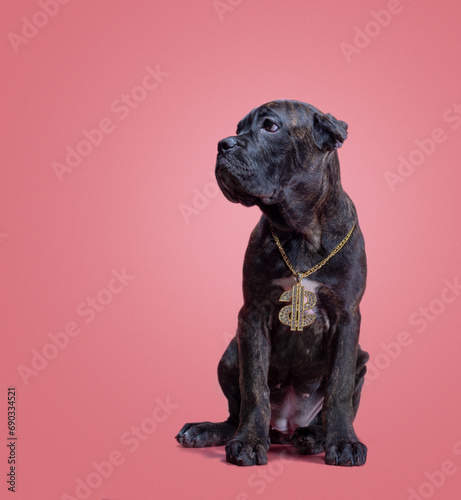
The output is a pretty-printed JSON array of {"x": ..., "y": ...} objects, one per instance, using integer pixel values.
[{"x": 295, "y": 315}]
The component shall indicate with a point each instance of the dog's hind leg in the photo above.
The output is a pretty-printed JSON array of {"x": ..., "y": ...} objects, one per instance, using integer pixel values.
[
  {"x": 310, "y": 440},
  {"x": 204, "y": 434},
  {"x": 360, "y": 371},
  {"x": 199, "y": 435}
]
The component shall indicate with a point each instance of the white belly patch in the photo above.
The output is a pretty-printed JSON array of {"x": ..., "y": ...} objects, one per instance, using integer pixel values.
[{"x": 296, "y": 410}]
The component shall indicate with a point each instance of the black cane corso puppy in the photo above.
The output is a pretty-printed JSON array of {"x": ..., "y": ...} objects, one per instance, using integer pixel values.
[{"x": 295, "y": 370}]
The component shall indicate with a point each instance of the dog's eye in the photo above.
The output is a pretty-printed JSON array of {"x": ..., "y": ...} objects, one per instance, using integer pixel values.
[{"x": 270, "y": 126}]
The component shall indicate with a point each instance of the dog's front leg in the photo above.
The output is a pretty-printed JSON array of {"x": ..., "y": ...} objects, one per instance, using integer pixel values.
[
  {"x": 251, "y": 440},
  {"x": 342, "y": 447}
]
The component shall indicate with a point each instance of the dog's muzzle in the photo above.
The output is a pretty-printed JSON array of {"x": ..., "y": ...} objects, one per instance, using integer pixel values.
[
  {"x": 238, "y": 178},
  {"x": 227, "y": 174}
]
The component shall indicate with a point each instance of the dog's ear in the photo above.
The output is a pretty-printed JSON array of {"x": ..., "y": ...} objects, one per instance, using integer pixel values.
[{"x": 328, "y": 132}]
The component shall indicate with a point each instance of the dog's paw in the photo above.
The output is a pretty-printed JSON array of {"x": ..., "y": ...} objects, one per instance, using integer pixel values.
[
  {"x": 204, "y": 434},
  {"x": 240, "y": 452},
  {"x": 309, "y": 440},
  {"x": 345, "y": 453}
]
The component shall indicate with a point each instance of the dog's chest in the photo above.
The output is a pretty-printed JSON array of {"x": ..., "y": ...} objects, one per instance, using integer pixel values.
[
  {"x": 296, "y": 357},
  {"x": 311, "y": 286},
  {"x": 290, "y": 281}
]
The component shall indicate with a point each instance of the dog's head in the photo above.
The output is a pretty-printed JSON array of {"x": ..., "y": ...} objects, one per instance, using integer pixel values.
[{"x": 277, "y": 144}]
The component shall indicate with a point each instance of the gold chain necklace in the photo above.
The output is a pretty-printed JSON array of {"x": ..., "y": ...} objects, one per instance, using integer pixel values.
[{"x": 296, "y": 314}]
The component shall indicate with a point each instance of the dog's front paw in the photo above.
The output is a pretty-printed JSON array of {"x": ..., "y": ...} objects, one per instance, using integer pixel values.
[
  {"x": 346, "y": 453},
  {"x": 244, "y": 452}
]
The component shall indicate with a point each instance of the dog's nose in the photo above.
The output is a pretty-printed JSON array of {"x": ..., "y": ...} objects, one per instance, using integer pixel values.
[{"x": 226, "y": 144}]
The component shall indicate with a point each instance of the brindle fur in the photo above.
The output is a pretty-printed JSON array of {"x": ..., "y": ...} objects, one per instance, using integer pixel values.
[{"x": 293, "y": 176}]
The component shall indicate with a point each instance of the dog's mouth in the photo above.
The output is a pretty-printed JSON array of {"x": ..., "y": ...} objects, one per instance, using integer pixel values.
[{"x": 236, "y": 193}]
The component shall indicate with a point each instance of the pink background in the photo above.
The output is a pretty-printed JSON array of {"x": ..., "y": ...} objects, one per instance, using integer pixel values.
[{"x": 143, "y": 202}]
